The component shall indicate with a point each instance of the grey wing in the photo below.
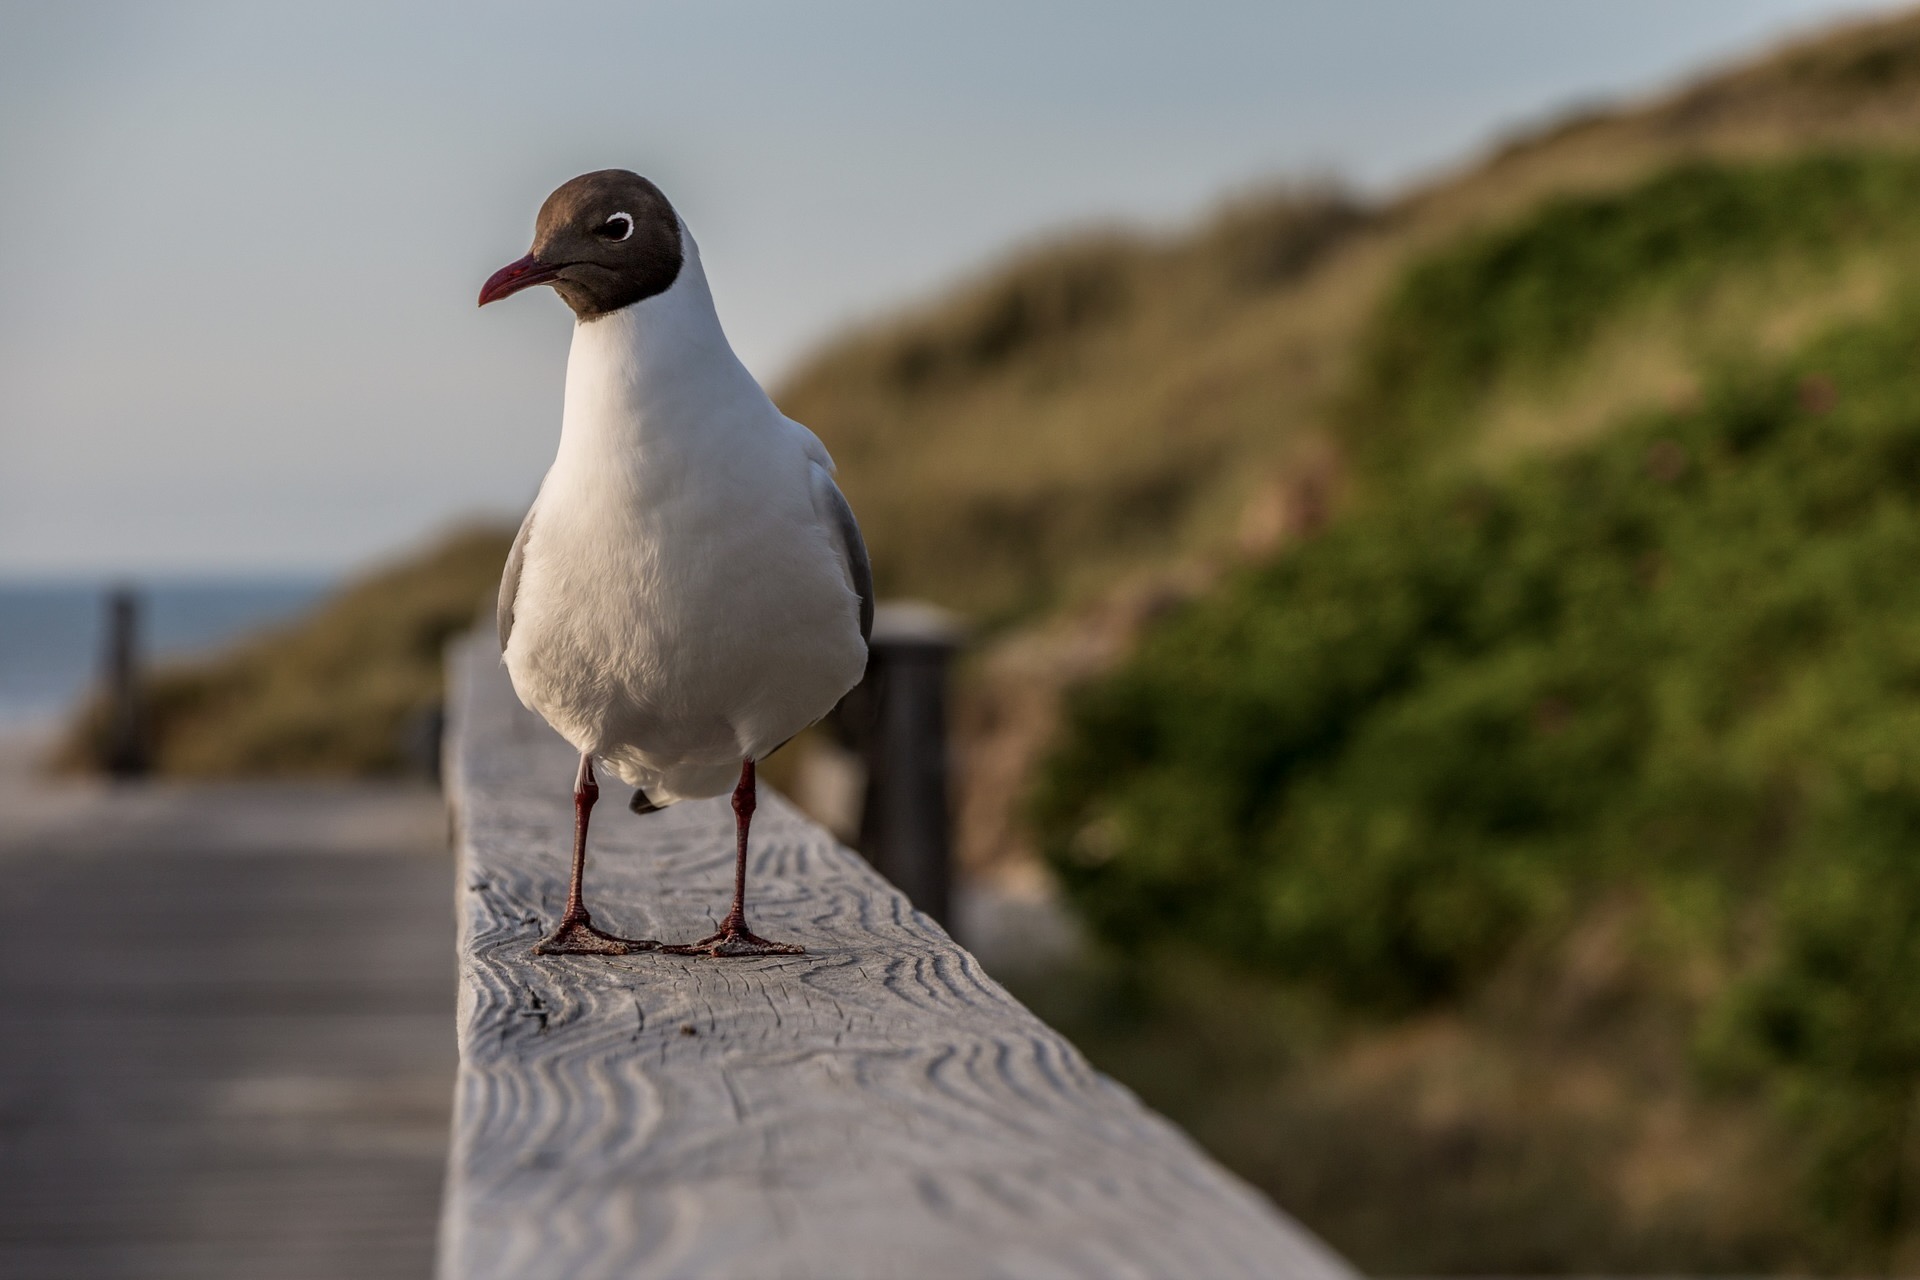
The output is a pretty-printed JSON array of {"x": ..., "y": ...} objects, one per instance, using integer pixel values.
[
  {"x": 852, "y": 546},
  {"x": 510, "y": 579}
]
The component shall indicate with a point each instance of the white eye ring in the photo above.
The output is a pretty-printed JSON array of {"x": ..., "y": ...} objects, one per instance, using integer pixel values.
[{"x": 626, "y": 229}]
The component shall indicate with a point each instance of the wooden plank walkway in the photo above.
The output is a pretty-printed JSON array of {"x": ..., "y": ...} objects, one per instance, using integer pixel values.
[
  {"x": 878, "y": 1107},
  {"x": 225, "y": 1031}
]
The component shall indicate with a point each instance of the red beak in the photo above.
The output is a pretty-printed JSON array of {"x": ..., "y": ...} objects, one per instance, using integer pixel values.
[{"x": 514, "y": 277}]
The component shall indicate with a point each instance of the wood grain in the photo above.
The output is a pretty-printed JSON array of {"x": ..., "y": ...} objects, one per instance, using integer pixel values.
[{"x": 876, "y": 1108}]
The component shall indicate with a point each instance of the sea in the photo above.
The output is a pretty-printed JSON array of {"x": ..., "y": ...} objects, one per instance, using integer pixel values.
[{"x": 53, "y": 633}]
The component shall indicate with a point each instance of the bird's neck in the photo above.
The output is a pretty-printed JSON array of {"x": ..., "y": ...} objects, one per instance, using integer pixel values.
[{"x": 654, "y": 374}]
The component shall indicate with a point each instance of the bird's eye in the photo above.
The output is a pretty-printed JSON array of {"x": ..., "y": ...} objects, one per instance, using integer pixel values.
[{"x": 618, "y": 227}]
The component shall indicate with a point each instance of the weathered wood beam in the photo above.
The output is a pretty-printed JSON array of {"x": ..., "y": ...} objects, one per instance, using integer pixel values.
[{"x": 876, "y": 1108}]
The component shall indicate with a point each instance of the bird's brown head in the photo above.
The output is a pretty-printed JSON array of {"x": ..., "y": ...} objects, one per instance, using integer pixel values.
[{"x": 604, "y": 241}]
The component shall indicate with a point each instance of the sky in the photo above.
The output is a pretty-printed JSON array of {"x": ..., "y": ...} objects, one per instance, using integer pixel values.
[{"x": 240, "y": 243}]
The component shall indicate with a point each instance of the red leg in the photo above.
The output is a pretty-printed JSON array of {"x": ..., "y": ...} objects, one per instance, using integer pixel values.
[
  {"x": 577, "y": 935},
  {"x": 734, "y": 938}
]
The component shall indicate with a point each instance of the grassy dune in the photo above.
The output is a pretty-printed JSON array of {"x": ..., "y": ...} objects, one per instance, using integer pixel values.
[
  {"x": 1079, "y": 411},
  {"x": 1159, "y": 396}
]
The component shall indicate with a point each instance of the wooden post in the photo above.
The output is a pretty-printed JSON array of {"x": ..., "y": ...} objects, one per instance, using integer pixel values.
[
  {"x": 877, "y": 1107},
  {"x": 906, "y": 828},
  {"x": 124, "y": 753}
]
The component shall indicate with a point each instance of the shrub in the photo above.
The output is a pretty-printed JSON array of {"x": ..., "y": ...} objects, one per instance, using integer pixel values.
[
  {"x": 1525, "y": 298},
  {"x": 1682, "y": 666}
]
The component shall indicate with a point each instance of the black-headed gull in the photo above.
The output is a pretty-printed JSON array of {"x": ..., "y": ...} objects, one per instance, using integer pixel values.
[{"x": 689, "y": 589}]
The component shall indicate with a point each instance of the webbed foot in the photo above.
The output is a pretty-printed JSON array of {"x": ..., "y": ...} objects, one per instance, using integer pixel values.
[
  {"x": 577, "y": 936},
  {"x": 733, "y": 939}
]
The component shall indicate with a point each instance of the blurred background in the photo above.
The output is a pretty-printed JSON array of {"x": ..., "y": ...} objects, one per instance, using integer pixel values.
[{"x": 1433, "y": 492}]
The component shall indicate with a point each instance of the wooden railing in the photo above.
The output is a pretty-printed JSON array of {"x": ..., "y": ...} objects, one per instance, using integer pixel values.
[{"x": 878, "y": 1107}]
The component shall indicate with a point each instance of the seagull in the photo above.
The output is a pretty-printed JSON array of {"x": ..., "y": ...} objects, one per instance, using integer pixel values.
[{"x": 690, "y": 588}]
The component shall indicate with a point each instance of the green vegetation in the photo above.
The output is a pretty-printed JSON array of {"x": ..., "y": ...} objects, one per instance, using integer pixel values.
[
  {"x": 1523, "y": 301},
  {"x": 1678, "y": 670}
]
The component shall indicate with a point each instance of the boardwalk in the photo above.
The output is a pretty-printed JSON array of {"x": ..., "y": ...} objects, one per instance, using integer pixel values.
[{"x": 226, "y": 1031}]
